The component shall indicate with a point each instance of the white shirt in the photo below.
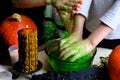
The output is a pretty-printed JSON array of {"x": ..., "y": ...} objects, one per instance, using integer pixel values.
[{"x": 106, "y": 11}]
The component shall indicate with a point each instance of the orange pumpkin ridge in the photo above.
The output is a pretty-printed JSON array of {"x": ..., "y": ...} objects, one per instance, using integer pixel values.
[
  {"x": 11, "y": 25},
  {"x": 114, "y": 64}
]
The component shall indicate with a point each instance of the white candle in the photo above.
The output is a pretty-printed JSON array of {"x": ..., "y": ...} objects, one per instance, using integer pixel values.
[{"x": 13, "y": 51}]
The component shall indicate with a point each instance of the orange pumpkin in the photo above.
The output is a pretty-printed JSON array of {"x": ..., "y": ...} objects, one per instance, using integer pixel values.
[
  {"x": 114, "y": 64},
  {"x": 10, "y": 26}
]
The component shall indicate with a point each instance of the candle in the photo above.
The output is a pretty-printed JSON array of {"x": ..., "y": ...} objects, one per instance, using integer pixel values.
[{"x": 28, "y": 49}]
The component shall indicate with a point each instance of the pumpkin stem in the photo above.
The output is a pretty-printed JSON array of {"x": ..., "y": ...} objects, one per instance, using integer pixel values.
[{"x": 17, "y": 17}]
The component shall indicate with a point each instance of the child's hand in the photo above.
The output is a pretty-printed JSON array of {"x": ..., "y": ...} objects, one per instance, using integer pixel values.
[{"x": 76, "y": 49}]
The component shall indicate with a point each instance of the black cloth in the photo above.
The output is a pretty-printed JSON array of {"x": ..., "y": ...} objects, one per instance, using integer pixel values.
[
  {"x": 87, "y": 74},
  {"x": 105, "y": 43}
]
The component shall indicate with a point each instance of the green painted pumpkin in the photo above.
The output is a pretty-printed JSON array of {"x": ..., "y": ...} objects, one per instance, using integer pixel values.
[{"x": 65, "y": 66}]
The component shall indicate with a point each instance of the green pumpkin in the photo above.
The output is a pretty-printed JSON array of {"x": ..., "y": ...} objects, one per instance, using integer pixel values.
[{"x": 65, "y": 66}]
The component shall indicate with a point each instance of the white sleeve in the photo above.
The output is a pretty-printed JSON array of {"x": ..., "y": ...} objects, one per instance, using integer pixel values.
[
  {"x": 85, "y": 8},
  {"x": 112, "y": 16}
]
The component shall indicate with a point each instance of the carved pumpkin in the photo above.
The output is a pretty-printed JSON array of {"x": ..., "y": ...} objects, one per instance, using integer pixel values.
[
  {"x": 114, "y": 64},
  {"x": 10, "y": 26}
]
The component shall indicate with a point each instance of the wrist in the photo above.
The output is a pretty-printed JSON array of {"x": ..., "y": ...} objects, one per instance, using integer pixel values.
[{"x": 90, "y": 44}]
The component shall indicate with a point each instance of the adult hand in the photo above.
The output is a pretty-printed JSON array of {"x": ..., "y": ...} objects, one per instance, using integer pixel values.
[
  {"x": 75, "y": 49},
  {"x": 67, "y": 5}
]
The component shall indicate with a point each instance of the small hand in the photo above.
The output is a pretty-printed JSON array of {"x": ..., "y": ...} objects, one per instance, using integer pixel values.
[
  {"x": 73, "y": 37},
  {"x": 51, "y": 46},
  {"x": 76, "y": 50}
]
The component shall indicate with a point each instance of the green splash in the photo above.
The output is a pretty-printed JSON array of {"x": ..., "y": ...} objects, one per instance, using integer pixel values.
[{"x": 50, "y": 31}]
